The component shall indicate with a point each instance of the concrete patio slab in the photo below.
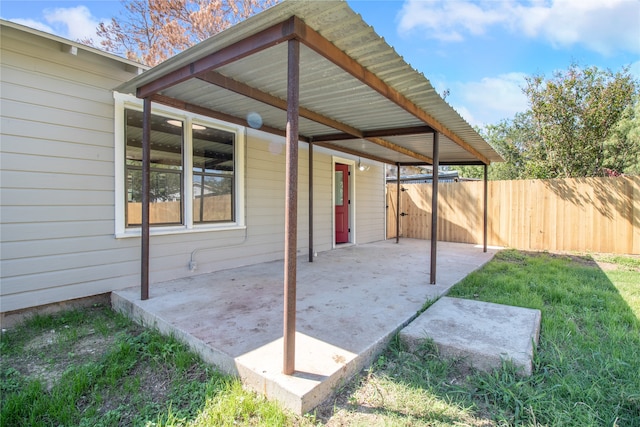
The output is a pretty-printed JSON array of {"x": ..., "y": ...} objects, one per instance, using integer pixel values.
[
  {"x": 350, "y": 302},
  {"x": 481, "y": 333}
]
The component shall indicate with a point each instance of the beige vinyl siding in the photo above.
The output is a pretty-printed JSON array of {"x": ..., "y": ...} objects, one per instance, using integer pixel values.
[
  {"x": 12, "y": 251},
  {"x": 370, "y": 209},
  {"x": 57, "y": 183},
  {"x": 57, "y": 187}
]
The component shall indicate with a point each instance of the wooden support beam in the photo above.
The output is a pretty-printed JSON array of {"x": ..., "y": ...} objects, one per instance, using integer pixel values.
[
  {"x": 380, "y": 133},
  {"x": 397, "y": 148},
  {"x": 269, "y": 37},
  {"x": 465, "y": 163},
  {"x": 381, "y": 142},
  {"x": 415, "y": 164},
  {"x": 352, "y": 152},
  {"x": 321, "y": 45},
  {"x": 291, "y": 207},
  {"x": 186, "y": 106}
]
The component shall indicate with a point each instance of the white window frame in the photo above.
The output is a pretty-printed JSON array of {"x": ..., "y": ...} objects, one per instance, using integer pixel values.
[{"x": 124, "y": 101}]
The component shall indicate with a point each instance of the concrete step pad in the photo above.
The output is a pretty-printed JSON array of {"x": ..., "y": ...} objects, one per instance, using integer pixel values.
[{"x": 481, "y": 333}]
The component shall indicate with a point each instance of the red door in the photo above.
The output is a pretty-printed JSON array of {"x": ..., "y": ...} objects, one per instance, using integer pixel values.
[{"x": 342, "y": 203}]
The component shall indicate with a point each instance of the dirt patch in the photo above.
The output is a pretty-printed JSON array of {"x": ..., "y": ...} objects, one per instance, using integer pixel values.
[
  {"x": 116, "y": 371},
  {"x": 607, "y": 266},
  {"x": 46, "y": 356},
  {"x": 586, "y": 261},
  {"x": 605, "y": 262}
]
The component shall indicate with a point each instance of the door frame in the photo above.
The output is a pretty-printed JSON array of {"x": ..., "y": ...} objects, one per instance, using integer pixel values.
[{"x": 352, "y": 197}]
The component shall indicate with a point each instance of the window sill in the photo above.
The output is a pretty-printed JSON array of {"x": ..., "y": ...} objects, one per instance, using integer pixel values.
[{"x": 163, "y": 231}]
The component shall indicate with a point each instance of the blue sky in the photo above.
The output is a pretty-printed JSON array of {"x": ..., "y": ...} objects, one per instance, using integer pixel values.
[{"x": 480, "y": 51}]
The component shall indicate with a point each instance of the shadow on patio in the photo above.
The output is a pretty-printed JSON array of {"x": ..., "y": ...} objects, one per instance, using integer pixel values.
[{"x": 350, "y": 302}]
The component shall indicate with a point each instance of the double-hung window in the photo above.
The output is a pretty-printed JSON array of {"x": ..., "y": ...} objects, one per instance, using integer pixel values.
[
  {"x": 195, "y": 175},
  {"x": 213, "y": 174},
  {"x": 166, "y": 180}
]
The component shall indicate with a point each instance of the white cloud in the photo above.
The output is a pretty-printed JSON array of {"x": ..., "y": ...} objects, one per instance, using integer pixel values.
[
  {"x": 601, "y": 26},
  {"x": 73, "y": 23},
  {"x": 33, "y": 24},
  {"x": 77, "y": 23},
  {"x": 489, "y": 100},
  {"x": 448, "y": 20},
  {"x": 604, "y": 26}
]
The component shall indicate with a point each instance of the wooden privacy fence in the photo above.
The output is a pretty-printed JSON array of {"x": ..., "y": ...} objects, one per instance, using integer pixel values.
[
  {"x": 584, "y": 214},
  {"x": 216, "y": 208}
]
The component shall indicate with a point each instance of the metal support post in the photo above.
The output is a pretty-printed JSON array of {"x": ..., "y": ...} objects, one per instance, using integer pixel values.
[
  {"x": 311, "y": 201},
  {"x": 485, "y": 220},
  {"x": 434, "y": 207},
  {"x": 398, "y": 203},
  {"x": 291, "y": 206},
  {"x": 146, "y": 178}
]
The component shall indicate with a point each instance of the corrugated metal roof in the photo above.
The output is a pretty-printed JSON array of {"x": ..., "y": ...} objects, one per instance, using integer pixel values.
[{"x": 326, "y": 88}]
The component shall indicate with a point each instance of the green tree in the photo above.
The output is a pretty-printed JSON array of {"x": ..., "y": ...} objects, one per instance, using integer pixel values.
[
  {"x": 576, "y": 116},
  {"x": 510, "y": 138},
  {"x": 581, "y": 122},
  {"x": 623, "y": 146}
]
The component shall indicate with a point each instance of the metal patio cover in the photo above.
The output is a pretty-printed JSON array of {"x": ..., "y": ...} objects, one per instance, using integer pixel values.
[
  {"x": 311, "y": 71},
  {"x": 356, "y": 94}
]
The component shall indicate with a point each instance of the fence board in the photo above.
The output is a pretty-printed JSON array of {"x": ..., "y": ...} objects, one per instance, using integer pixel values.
[
  {"x": 392, "y": 206},
  {"x": 216, "y": 208},
  {"x": 585, "y": 214}
]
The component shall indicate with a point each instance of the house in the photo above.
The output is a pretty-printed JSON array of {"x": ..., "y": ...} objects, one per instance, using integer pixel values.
[
  {"x": 425, "y": 178},
  {"x": 241, "y": 150}
]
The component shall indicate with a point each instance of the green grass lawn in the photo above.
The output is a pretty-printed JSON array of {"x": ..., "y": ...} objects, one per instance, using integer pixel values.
[
  {"x": 94, "y": 367},
  {"x": 587, "y": 367}
]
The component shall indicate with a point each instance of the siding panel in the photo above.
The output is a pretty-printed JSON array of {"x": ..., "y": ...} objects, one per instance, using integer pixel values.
[
  {"x": 62, "y": 262},
  {"x": 74, "y": 118},
  {"x": 43, "y": 164},
  {"x": 49, "y": 84},
  {"x": 68, "y": 276},
  {"x": 55, "y": 97},
  {"x": 54, "y": 230},
  {"x": 20, "y": 214},
  {"x": 42, "y": 180},
  {"x": 54, "y": 197},
  {"x": 54, "y": 132},
  {"x": 67, "y": 245},
  {"x": 43, "y": 147}
]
